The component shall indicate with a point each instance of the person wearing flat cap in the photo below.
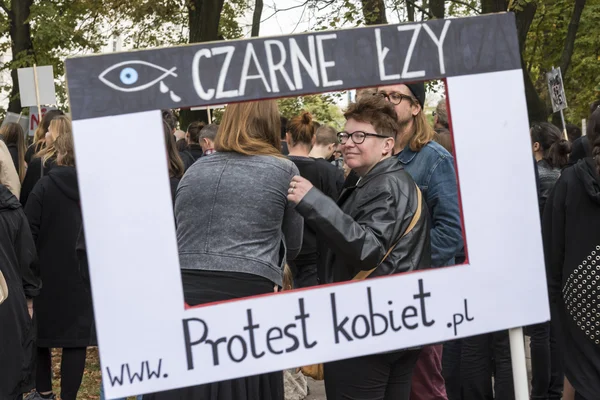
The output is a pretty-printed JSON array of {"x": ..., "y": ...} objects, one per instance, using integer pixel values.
[{"x": 432, "y": 168}]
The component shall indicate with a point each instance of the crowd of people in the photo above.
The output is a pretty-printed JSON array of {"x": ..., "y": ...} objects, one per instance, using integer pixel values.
[{"x": 318, "y": 206}]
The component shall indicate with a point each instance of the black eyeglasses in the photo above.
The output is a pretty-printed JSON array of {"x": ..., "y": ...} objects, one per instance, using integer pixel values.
[
  {"x": 357, "y": 137},
  {"x": 395, "y": 98}
]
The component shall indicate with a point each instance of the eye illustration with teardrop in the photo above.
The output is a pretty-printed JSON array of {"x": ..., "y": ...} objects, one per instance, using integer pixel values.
[{"x": 126, "y": 77}]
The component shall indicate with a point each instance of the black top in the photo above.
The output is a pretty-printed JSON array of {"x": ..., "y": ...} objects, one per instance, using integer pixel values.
[
  {"x": 34, "y": 173},
  {"x": 334, "y": 174},
  {"x": 547, "y": 177},
  {"x": 581, "y": 149},
  {"x": 64, "y": 306},
  {"x": 17, "y": 336},
  {"x": 32, "y": 149},
  {"x": 196, "y": 151},
  {"x": 324, "y": 179},
  {"x": 14, "y": 153},
  {"x": 572, "y": 251},
  {"x": 187, "y": 159}
]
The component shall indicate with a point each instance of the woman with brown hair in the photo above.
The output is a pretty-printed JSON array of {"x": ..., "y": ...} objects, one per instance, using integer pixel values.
[
  {"x": 378, "y": 227},
  {"x": 236, "y": 228},
  {"x": 39, "y": 137},
  {"x": 45, "y": 159},
  {"x": 63, "y": 309},
  {"x": 300, "y": 138},
  {"x": 13, "y": 136}
]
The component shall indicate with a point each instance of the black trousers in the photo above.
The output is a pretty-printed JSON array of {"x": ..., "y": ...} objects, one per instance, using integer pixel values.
[
  {"x": 547, "y": 374},
  {"x": 451, "y": 359},
  {"x": 385, "y": 376},
  {"x": 483, "y": 356},
  {"x": 71, "y": 371}
]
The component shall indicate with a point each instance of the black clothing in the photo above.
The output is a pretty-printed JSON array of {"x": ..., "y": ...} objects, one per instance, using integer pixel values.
[
  {"x": 14, "y": 153},
  {"x": 33, "y": 149},
  {"x": 384, "y": 376},
  {"x": 572, "y": 252},
  {"x": 196, "y": 151},
  {"x": 547, "y": 177},
  {"x": 547, "y": 371},
  {"x": 284, "y": 148},
  {"x": 581, "y": 149},
  {"x": 367, "y": 220},
  {"x": 201, "y": 287},
  {"x": 173, "y": 182},
  {"x": 64, "y": 306},
  {"x": 304, "y": 267},
  {"x": 17, "y": 332},
  {"x": 187, "y": 159},
  {"x": 33, "y": 175},
  {"x": 72, "y": 365},
  {"x": 476, "y": 367},
  {"x": 334, "y": 174}
]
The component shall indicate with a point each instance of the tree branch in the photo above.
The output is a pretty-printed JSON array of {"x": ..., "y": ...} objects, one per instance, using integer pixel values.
[
  {"x": 285, "y": 9},
  {"x": 464, "y": 3},
  {"x": 418, "y": 7}
]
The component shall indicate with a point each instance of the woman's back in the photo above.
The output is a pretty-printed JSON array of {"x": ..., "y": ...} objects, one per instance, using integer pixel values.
[{"x": 231, "y": 211}]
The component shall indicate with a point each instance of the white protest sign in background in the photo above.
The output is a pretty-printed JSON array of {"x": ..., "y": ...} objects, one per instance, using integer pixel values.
[
  {"x": 149, "y": 342},
  {"x": 35, "y": 119},
  {"x": 16, "y": 118},
  {"x": 557, "y": 90},
  {"x": 45, "y": 80}
]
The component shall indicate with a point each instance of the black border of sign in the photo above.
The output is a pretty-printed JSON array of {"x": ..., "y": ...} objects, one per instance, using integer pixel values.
[{"x": 339, "y": 60}]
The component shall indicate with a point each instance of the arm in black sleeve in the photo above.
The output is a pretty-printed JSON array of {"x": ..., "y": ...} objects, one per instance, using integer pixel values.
[
  {"x": 553, "y": 235},
  {"x": 33, "y": 174},
  {"x": 362, "y": 242},
  {"x": 27, "y": 255}
]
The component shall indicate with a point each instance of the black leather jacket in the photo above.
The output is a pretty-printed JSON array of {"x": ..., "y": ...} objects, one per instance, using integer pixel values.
[{"x": 367, "y": 220}]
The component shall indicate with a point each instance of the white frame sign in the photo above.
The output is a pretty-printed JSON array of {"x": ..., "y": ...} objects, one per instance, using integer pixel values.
[{"x": 150, "y": 342}]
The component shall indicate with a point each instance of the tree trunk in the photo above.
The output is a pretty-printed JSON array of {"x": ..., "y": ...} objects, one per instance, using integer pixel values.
[
  {"x": 436, "y": 8},
  {"x": 204, "y": 16},
  {"x": 410, "y": 11},
  {"x": 21, "y": 46},
  {"x": 493, "y": 6},
  {"x": 374, "y": 12},
  {"x": 258, "y": 7},
  {"x": 565, "y": 60}
]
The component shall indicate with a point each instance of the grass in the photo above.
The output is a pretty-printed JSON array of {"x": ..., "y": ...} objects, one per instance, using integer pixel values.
[{"x": 90, "y": 385}]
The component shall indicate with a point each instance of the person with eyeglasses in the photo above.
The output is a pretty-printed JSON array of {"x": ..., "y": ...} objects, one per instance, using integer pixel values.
[
  {"x": 432, "y": 168},
  {"x": 377, "y": 227}
]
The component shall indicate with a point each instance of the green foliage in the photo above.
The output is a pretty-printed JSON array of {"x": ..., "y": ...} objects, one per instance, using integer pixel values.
[
  {"x": 544, "y": 47},
  {"x": 322, "y": 107},
  {"x": 228, "y": 25}
]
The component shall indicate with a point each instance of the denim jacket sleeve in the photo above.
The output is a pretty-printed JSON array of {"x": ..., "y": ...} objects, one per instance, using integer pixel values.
[{"x": 442, "y": 199}]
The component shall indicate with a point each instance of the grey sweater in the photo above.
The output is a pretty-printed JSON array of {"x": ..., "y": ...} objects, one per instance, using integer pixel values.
[{"x": 232, "y": 214}]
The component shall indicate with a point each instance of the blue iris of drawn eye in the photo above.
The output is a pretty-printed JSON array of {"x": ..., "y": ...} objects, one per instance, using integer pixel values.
[{"x": 129, "y": 76}]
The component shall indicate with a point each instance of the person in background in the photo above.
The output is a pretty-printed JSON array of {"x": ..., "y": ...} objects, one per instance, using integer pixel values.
[
  {"x": 192, "y": 138},
  {"x": 245, "y": 183},
  {"x": 63, "y": 309},
  {"x": 573, "y": 132},
  {"x": 175, "y": 164},
  {"x": 378, "y": 227},
  {"x": 326, "y": 142},
  {"x": 171, "y": 120},
  {"x": 19, "y": 272},
  {"x": 432, "y": 168},
  {"x": 300, "y": 138},
  {"x": 571, "y": 241},
  {"x": 39, "y": 137},
  {"x": 41, "y": 164},
  {"x": 551, "y": 152},
  {"x": 207, "y": 138},
  {"x": 582, "y": 147},
  {"x": 8, "y": 173},
  {"x": 14, "y": 137},
  {"x": 284, "y": 146},
  {"x": 440, "y": 116},
  {"x": 444, "y": 138}
]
